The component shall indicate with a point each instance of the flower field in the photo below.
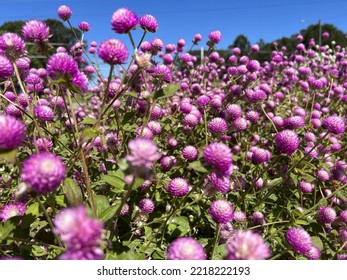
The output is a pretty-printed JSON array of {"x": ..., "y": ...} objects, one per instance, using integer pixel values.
[{"x": 170, "y": 156}]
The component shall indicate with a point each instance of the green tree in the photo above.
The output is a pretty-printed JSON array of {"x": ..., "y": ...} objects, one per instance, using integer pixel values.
[{"x": 242, "y": 42}]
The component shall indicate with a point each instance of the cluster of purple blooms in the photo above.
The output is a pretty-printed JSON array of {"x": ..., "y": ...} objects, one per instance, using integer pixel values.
[{"x": 231, "y": 128}]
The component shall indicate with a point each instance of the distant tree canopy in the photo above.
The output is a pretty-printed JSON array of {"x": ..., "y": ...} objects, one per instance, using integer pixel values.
[
  {"x": 311, "y": 32},
  {"x": 61, "y": 36}
]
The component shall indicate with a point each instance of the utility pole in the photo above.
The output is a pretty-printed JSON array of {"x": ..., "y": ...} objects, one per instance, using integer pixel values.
[{"x": 320, "y": 32}]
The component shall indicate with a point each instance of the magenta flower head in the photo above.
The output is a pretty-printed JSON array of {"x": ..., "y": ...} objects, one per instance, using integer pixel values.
[
  {"x": 146, "y": 205},
  {"x": 148, "y": 23},
  {"x": 326, "y": 215},
  {"x": 334, "y": 124},
  {"x": 6, "y": 68},
  {"x": 64, "y": 12},
  {"x": 113, "y": 52},
  {"x": 123, "y": 20},
  {"x": 186, "y": 248},
  {"x": 299, "y": 240},
  {"x": 43, "y": 172},
  {"x": 143, "y": 153},
  {"x": 287, "y": 142},
  {"x": 44, "y": 113},
  {"x": 162, "y": 72},
  {"x": 219, "y": 156},
  {"x": 178, "y": 187},
  {"x": 12, "y": 46},
  {"x": 215, "y": 36},
  {"x": 36, "y": 31},
  {"x": 219, "y": 182},
  {"x": 221, "y": 211},
  {"x": 190, "y": 153},
  {"x": 84, "y": 26},
  {"x": 12, "y": 209},
  {"x": 61, "y": 65},
  {"x": 247, "y": 245},
  {"x": 12, "y": 133},
  {"x": 217, "y": 125},
  {"x": 81, "y": 234}
]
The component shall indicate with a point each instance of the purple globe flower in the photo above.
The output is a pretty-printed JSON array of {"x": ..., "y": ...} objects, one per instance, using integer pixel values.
[
  {"x": 81, "y": 234},
  {"x": 84, "y": 26},
  {"x": 343, "y": 216},
  {"x": 219, "y": 182},
  {"x": 178, "y": 187},
  {"x": 260, "y": 155},
  {"x": 190, "y": 153},
  {"x": 36, "y": 31},
  {"x": 162, "y": 72},
  {"x": 219, "y": 156},
  {"x": 143, "y": 152},
  {"x": 247, "y": 245},
  {"x": 12, "y": 209},
  {"x": 299, "y": 240},
  {"x": 61, "y": 64},
  {"x": 313, "y": 254},
  {"x": 12, "y": 133},
  {"x": 12, "y": 46},
  {"x": 167, "y": 162},
  {"x": 125, "y": 209},
  {"x": 146, "y": 205},
  {"x": 294, "y": 122},
  {"x": 240, "y": 124},
  {"x": 217, "y": 125},
  {"x": 6, "y": 68},
  {"x": 234, "y": 111},
  {"x": 44, "y": 113},
  {"x": 287, "y": 142},
  {"x": 334, "y": 124},
  {"x": 239, "y": 216},
  {"x": 215, "y": 36},
  {"x": 148, "y": 23},
  {"x": 64, "y": 13},
  {"x": 326, "y": 215},
  {"x": 221, "y": 211},
  {"x": 44, "y": 144},
  {"x": 305, "y": 187},
  {"x": 258, "y": 218},
  {"x": 123, "y": 20},
  {"x": 43, "y": 172},
  {"x": 113, "y": 52},
  {"x": 186, "y": 248}
]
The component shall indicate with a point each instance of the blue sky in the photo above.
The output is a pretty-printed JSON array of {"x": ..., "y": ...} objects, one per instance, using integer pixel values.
[{"x": 266, "y": 19}]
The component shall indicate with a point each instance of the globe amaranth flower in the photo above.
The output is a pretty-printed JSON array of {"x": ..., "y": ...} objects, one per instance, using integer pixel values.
[
  {"x": 190, "y": 153},
  {"x": 215, "y": 36},
  {"x": 43, "y": 172},
  {"x": 81, "y": 234},
  {"x": 143, "y": 153},
  {"x": 299, "y": 240},
  {"x": 186, "y": 248},
  {"x": 219, "y": 182},
  {"x": 44, "y": 113},
  {"x": 12, "y": 209},
  {"x": 334, "y": 124},
  {"x": 12, "y": 133},
  {"x": 123, "y": 20},
  {"x": 84, "y": 26},
  {"x": 247, "y": 245},
  {"x": 36, "y": 31},
  {"x": 217, "y": 125},
  {"x": 326, "y": 215},
  {"x": 178, "y": 187},
  {"x": 148, "y": 23},
  {"x": 6, "y": 68},
  {"x": 162, "y": 72},
  {"x": 64, "y": 12},
  {"x": 221, "y": 211},
  {"x": 12, "y": 46},
  {"x": 146, "y": 205},
  {"x": 167, "y": 162},
  {"x": 219, "y": 156},
  {"x": 113, "y": 52},
  {"x": 287, "y": 141}
]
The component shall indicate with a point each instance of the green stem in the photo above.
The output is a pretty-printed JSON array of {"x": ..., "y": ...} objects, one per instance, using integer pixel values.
[
  {"x": 49, "y": 220},
  {"x": 216, "y": 242}
]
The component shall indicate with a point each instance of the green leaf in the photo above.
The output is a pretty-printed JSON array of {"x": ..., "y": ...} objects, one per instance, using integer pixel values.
[
  {"x": 301, "y": 222},
  {"x": 109, "y": 212},
  {"x": 318, "y": 243},
  {"x": 166, "y": 91},
  {"x": 197, "y": 166},
  {"x": 101, "y": 203},
  {"x": 9, "y": 157},
  {"x": 6, "y": 229},
  {"x": 115, "y": 181},
  {"x": 72, "y": 192},
  {"x": 89, "y": 133},
  {"x": 132, "y": 94},
  {"x": 127, "y": 117},
  {"x": 275, "y": 182},
  {"x": 129, "y": 255},
  {"x": 37, "y": 251},
  {"x": 89, "y": 120}
]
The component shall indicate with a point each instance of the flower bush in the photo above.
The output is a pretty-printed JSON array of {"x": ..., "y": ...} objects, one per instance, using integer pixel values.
[{"x": 170, "y": 156}]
